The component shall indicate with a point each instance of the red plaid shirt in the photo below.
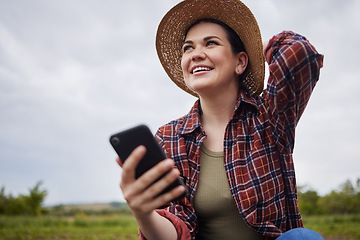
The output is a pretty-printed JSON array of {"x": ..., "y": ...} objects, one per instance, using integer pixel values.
[{"x": 258, "y": 144}]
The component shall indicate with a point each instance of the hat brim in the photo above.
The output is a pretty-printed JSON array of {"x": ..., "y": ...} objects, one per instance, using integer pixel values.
[{"x": 172, "y": 29}]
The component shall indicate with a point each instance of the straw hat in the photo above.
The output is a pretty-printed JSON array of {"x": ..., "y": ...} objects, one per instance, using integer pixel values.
[{"x": 171, "y": 33}]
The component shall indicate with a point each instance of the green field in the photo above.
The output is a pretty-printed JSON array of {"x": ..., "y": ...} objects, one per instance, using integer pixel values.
[
  {"x": 79, "y": 227},
  {"x": 123, "y": 226},
  {"x": 344, "y": 227}
]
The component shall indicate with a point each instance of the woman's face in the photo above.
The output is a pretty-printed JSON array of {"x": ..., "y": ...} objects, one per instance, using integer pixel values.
[{"x": 208, "y": 63}]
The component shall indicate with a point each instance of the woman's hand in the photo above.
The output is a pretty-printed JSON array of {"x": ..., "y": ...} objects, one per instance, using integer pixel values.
[{"x": 142, "y": 194}]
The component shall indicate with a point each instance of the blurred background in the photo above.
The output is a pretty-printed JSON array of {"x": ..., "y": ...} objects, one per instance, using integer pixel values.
[{"x": 74, "y": 72}]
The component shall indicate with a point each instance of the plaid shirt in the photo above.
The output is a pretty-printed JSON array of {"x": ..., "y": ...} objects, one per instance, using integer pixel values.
[{"x": 258, "y": 144}]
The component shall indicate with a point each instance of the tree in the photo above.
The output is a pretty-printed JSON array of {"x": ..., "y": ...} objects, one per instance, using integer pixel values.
[
  {"x": 16, "y": 205},
  {"x": 3, "y": 200},
  {"x": 308, "y": 200},
  {"x": 23, "y": 204},
  {"x": 35, "y": 199},
  {"x": 346, "y": 200}
]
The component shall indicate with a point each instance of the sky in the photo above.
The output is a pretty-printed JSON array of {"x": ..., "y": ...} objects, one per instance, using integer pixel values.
[{"x": 74, "y": 72}]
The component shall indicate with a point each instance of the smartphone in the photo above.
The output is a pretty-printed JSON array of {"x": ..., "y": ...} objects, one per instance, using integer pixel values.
[{"x": 126, "y": 141}]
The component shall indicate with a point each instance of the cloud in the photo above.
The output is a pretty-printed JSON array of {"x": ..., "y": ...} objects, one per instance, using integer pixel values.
[{"x": 72, "y": 73}]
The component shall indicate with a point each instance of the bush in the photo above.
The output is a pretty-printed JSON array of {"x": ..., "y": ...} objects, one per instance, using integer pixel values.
[
  {"x": 345, "y": 200},
  {"x": 308, "y": 202},
  {"x": 23, "y": 204}
]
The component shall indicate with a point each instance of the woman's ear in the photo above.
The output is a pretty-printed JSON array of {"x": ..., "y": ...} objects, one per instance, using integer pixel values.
[{"x": 242, "y": 63}]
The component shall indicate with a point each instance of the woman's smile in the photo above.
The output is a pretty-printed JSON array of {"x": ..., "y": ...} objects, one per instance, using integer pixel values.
[{"x": 200, "y": 69}]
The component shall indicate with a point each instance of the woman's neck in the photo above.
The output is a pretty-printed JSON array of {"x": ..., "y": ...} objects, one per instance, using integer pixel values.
[
  {"x": 216, "y": 114},
  {"x": 219, "y": 109}
]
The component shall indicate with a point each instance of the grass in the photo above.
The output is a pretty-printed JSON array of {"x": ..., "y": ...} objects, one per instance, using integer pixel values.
[
  {"x": 124, "y": 227},
  {"x": 117, "y": 227},
  {"x": 335, "y": 226}
]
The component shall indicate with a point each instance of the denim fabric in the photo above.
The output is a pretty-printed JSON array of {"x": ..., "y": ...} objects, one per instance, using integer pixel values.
[{"x": 300, "y": 234}]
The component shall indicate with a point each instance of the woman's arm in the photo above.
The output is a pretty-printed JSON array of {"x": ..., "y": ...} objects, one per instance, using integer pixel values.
[
  {"x": 154, "y": 226},
  {"x": 142, "y": 194},
  {"x": 294, "y": 66}
]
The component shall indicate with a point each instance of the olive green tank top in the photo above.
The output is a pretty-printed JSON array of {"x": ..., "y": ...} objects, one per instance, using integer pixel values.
[{"x": 215, "y": 208}]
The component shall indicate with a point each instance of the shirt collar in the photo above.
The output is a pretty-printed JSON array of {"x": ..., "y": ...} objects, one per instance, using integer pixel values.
[
  {"x": 245, "y": 98},
  {"x": 192, "y": 119}
]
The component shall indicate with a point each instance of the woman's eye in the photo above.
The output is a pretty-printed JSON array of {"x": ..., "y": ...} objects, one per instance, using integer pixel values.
[
  {"x": 211, "y": 43},
  {"x": 186, "y": 48}
]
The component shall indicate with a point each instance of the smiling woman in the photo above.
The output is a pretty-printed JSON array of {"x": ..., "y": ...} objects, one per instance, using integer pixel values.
[
  {"x": 210, "y": 66},
  {"x": 233, "y": 150}
]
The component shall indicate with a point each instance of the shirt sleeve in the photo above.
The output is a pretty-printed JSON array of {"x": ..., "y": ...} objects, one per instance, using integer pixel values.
[
  {"x": 294, "y": 67},
  {"x": 181, "y": 228}
]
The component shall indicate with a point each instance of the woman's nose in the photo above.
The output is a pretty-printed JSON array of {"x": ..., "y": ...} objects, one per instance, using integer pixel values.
[{"x": 198, "y": 54}]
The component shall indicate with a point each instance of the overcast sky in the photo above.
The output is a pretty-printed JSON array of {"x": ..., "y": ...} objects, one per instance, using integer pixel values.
[{"x": 74, "y": 72}]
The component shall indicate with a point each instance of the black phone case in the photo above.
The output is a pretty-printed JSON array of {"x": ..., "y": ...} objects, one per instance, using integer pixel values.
[{"x": 126, "y": 141}]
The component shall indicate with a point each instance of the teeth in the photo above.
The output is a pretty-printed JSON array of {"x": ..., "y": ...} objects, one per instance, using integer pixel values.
[{"x": 198, "y": 69}]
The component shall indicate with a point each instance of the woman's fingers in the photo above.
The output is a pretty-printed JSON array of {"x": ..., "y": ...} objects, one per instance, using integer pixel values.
[
  {"x": 131, "y": 163},
  {"x": 157, "y": 187},
  {"x": 167, "y": 197},
  {"x": 150, "y": 198},
  {"x": 150, "y": 176},
  {"x": 119, "y": 162},
  {"x": 132, "y": 186},
  {"x": 143, "y": 194},
  {"x": 160, "y": 201}
]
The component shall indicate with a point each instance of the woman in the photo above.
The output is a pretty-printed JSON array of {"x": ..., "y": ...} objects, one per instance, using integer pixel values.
[{"x": 234, "y": 148}]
